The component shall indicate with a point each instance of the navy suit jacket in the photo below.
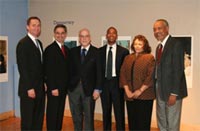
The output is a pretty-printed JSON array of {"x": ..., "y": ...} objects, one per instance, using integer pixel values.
[
  {"x": 89, "y": 73},
  {"x": 170, "y": 71},
  {"x": 30, "y": 67},
  {"x": 56, "y": 68}
]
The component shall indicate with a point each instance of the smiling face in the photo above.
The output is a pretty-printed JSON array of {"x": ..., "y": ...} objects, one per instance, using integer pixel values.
[
  {"x": 34, "y": 27},
  {"x": 60, "y": 34},
  {"x": 111, "y": 35},
  {"x": 138, "y": 46},
  {"x": 84, "y": 37},
  {"x": 161, "y": 30}
]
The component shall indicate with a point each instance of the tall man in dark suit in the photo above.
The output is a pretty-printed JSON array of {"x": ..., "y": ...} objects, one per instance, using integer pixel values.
[
  {"x": 85, "y": 82},
  {"x": 56, "y": 64},
  {"x": 169, "y": 75},
  {"x": 31, "y": 83},
  {"x": 111, "y": 93}
]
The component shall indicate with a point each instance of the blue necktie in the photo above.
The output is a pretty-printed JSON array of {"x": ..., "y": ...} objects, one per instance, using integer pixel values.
[{"x": 83, "y": 51}]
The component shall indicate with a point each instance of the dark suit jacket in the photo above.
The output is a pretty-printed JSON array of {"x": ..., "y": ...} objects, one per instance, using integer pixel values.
[
  {"x": 170, "y": 72},
  {"x": 121, "y": 52},
  {"x": 56, "y": 68},
  {"x": 89, "y": 72},
  {"x": 30, "y": 67}
]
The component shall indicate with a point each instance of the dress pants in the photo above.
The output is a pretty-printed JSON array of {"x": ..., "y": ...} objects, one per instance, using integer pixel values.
[
  {"x": 55, "y": 112},
  {"x": 168, "y": 117},
  {"x": 82, "y": 109},
  {"x": 112, "y": 95},
  {"x": 32, "y": 113},
  {"x": 139, "y": 114}
]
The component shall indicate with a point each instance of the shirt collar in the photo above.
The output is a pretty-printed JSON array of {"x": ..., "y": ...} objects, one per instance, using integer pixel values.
[
  {"x": 114, "y": 46},
  {"x": 87, "y": 47},
  {"x": 59, "y": 44},
  {"x": 164, "y": 41},
  {"x": 32, "y": 37}
]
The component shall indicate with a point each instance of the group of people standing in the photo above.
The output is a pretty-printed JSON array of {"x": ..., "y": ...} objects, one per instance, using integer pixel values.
[{"x": 86, "y": 73}]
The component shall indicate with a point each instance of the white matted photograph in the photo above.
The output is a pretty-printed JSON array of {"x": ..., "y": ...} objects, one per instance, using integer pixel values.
[
  {"x": 3, "y": 58},
  {"x": 71, "y": 42},
  {"x": 124, "y": 41},
  {"x": 187, "y": 41}
]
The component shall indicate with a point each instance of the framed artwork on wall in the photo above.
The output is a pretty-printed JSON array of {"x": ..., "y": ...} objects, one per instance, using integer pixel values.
[
  {"x": 187, "y": 41},
  {"x": 3, "y": 58},
  {"x": 124, "y": 41},
  {"x": 71, "y": 42}
]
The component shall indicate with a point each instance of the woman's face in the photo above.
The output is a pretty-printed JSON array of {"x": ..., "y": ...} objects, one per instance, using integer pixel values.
[{"x": 138, "y": 46}]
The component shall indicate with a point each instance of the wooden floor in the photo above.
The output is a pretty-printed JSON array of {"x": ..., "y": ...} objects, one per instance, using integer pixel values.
[{"x": 13, "y": 124}]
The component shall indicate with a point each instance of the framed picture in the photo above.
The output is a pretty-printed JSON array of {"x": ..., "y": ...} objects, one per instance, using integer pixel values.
[
  {"x": 3, "y": 58},
  {"x": 187, "y": 41},
  {"x": 71, "y": 42},
  {"x": 124, "y": 41}
]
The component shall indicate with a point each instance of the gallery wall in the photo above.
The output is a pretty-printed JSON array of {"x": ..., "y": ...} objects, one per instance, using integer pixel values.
[
  {"x": 13, "y": 14},
  {"x": 130, "y": 17}
]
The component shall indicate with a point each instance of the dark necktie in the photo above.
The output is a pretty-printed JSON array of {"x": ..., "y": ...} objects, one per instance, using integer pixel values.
[
  {"x": 159, "y": 53},
  {"x": 63, "y": 50},
  {"x": 39, "y": 47},
  {"x": 83, "y": 51},
  {"x": 109, "y": 64}
]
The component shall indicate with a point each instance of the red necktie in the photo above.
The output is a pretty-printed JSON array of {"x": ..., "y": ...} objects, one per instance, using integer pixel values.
[
  {"x": 63, "y": 50},
  {"x": 159, "y": 53}
]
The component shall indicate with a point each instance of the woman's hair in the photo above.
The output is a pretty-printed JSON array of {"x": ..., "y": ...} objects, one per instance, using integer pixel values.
[{"x": 146, "y": 48}]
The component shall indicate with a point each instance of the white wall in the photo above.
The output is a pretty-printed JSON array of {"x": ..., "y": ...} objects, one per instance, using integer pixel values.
[{"x": 130, "y": 17}]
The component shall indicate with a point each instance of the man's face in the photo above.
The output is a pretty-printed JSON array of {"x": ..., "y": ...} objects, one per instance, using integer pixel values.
[
  {"x": 161, "y": 30},
  {"x": 34, "y": 27},
  {"x": 111, "y": 36},
  {"x": 60, "y": 34},
  {"x": 84, "y": 38}
]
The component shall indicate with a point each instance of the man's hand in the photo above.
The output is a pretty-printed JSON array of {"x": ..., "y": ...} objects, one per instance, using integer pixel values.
[
  {"x": 31, "y": 93},
  {"x": 96, "y": 95},
  {"x": 171, "y": 100},
  {"x": 55, "y": 92}
]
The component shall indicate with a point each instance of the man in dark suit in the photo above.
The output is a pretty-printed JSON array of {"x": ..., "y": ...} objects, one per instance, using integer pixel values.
[
  {"x": 169, "y": 75},
  {"x": 56, "y": 65},
  {"x": 85, "y": 82},
  {"x": 111, "y": 93},
  {"x": 31, "y": 83}
]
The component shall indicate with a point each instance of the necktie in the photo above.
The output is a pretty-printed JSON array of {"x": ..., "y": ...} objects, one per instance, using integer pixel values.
[
  {"x": 39, "y": 47},
  {"x": 63, "y": 50},
  {"x": 83, "y": 51},
  {"x": 159, "y": 53},
  {"x": 109, "y": 64}
]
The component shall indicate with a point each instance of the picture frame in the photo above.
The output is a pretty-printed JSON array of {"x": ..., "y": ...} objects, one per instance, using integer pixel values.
[
  {"x": 187, "y": 41},
  {"x": 3, "y": 58},
  {"x": 71, "y": 42}
]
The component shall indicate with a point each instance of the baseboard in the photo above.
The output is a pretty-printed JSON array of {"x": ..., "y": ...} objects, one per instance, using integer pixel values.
[
  {"x": 6, "y": 115},
  {"x": 184, "y": 127}
]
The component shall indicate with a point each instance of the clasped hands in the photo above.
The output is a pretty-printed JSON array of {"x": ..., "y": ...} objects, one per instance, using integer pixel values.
[{"x": 134, "y": 94}]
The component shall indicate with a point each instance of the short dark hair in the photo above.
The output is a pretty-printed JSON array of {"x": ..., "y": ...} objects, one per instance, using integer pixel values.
[
  {"x": 165, "y": 21},
  {"x": 31, "y": 18},
  {"x": 111, "y": 28},
  {"x": 147, "y": 48},
  {"x": 60, "y": 26}
]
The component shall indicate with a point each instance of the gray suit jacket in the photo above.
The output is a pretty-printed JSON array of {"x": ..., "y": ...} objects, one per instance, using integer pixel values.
[{"x": 170, "y": 71}]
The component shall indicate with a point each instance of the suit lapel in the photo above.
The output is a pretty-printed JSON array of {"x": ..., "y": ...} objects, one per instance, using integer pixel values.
[
  {"x": 58, "y": 49},
  {"x": 104, "y": 57},
  {"x": 165, "y": 48}
]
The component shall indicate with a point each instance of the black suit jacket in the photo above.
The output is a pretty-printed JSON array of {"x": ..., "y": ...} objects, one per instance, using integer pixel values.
[
  {"x": 121, "y": 52},
  {"x": 89, "y": 73},
  {"x": 170, "y": 71},
  {"x": 56, "y": 68},
  {"x": 30, "y": 67}
]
